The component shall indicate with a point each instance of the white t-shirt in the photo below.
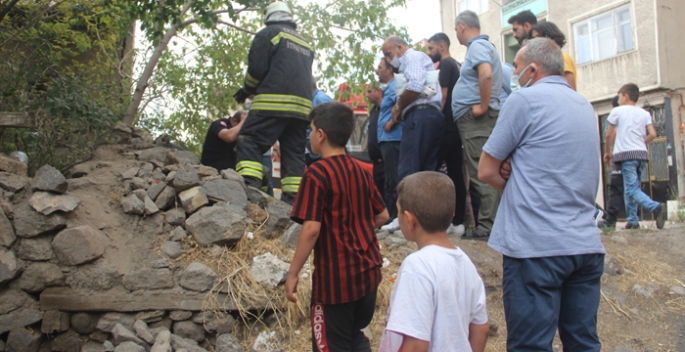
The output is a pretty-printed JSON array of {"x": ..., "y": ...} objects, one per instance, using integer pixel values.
[
  {"x": 631, "y": 129},
  {"x": 438, "y": 293}
]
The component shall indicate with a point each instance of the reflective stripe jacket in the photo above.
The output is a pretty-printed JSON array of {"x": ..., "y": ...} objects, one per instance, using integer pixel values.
[{"x": 279, "y": 72}]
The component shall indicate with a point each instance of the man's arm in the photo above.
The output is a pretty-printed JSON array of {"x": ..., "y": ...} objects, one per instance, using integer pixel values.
[
  {"x": 652, "y": 134},
  {"x": 382, "y": 218},
  {"x": 229, "y": 135},
  {"x": 478, "y": 336},
  {"x": 609, "y": 144},
  {"x": 444, "y": 96},
  {"x": 485, "y": 85},
  {"x": 308, "y": 236},
  {"x": 407, "y": 98},
  {"x": 410, "y": 344},
  {"x": 488, "y": 171}
]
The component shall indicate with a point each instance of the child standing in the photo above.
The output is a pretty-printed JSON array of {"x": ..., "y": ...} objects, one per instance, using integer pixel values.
[
  {"x": 438, "y": 303},
  {"x": 338, "y": 207}
]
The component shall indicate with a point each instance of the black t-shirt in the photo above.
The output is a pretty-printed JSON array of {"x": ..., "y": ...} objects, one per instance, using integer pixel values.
[
  {"x": 449, "y": 74},
  {"x": 372, "y": 146},
  {"x": 216, "y": 152}
]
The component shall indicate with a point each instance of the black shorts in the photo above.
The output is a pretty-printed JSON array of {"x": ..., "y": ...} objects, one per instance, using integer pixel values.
[{"x": 337, "y": 327}]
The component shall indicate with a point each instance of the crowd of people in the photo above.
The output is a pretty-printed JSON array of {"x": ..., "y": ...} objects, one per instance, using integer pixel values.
[{"x": 438, "y": 140}]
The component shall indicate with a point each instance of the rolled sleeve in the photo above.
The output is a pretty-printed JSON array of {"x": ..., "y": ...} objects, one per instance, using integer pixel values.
[{"x": 510, "y": 128}]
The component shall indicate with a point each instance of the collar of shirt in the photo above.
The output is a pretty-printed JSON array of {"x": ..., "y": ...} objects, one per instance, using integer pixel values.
[
  {"x": 554, "y": 79},
  {"x": 482, "y": 36},
  {"x": 390, "y": 83}
]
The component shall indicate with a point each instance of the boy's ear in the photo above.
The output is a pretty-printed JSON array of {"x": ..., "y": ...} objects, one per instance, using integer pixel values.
[{"x": 411, "y": 219}]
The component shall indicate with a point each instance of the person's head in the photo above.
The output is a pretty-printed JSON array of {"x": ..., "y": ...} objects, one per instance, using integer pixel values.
[
  {"x": 467, "y": 26},
  {"x": 539, "y": 58},
  {"x": 237, "y": 117},
  {"x": 393, "y": 49},
  {"x": 384, "y": 71},
  {"x": 332, "y": 124},
  {"x": 521, "y": 24},
  {"x": 614, "y": 102},
  {"x": 438, "y": 47},
  {"x": 425, "y": 199},
  {"x": 374, "y": 94},
  {"x": 549, "y": 30},
  {"x": 277, "y": 11},
  {"x": 628, "y": 94}
]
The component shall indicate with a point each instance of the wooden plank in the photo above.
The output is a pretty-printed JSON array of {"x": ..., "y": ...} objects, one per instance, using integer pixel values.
[
  {"x": 15, "y": 119},
  {"x": 66, "y": 299}
]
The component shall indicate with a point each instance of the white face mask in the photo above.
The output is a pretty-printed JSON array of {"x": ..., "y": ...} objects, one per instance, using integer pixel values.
[
  {"x": 515, "y": 84},
  {"x": 395, "y": 62}
]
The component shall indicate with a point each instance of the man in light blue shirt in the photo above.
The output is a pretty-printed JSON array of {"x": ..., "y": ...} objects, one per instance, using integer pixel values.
[
  {"x": 475, "y": 106},
  {"x": 507, "y": 71},
  {"x": 389, "y": 136},
  {"x": 318, "y": 98},
  {"x": 553, "y": 256}
]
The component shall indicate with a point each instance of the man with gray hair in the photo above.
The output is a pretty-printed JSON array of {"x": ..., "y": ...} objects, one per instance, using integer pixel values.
[
  {"x": 475, "y": 107},
  {"x": 553, "y": 256}
]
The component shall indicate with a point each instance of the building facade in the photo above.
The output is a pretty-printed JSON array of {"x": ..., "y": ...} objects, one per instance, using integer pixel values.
[{"x": 613, "y": 42}]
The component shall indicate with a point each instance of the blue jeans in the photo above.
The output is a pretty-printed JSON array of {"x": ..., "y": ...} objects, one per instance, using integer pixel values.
[
  {"x": 543, "y": 294},
  {"x": 632, "y": 171},
  {"x": 421, "y": 137}
]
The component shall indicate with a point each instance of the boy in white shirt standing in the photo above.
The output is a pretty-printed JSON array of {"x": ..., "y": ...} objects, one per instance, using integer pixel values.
[{"x": 438, "y": 303}]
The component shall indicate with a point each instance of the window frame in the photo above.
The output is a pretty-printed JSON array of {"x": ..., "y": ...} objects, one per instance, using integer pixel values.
[
  {"x": 483, "y": 6},
  {"x": 591, "y": 34}
]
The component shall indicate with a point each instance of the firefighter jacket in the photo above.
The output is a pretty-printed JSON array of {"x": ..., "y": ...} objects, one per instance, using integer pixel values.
[{"x": 279, "y": 72}]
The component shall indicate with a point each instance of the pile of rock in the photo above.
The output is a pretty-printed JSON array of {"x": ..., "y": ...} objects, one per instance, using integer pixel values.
[{"x": 87, "y": 263}]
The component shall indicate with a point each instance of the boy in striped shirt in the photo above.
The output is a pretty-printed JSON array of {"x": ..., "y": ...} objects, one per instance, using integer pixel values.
[{"x": 339, "y": 207}]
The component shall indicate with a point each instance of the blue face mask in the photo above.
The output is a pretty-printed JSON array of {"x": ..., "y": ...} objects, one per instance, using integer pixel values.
[{"x": 515, "y": 84}]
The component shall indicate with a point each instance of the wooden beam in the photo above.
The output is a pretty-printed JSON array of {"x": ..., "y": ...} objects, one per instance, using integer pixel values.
[{"x": 15, "y": 119}]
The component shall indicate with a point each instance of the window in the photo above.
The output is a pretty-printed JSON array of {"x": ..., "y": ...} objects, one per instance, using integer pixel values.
[
  {"x": 477, "y": 6},
  {"x": 604, "y": 36}
]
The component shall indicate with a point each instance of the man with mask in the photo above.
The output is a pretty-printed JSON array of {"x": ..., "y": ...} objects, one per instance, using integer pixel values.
[
  {"x": 422, "y": 115},
  {"x": 475, "y": 107},
  {"x": 450, "y": 148},
  {"x": 279, "y": 76},
  {"x": 522, "y": 24}
]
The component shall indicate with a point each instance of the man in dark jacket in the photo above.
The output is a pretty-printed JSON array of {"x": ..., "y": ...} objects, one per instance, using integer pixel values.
[
  {"x": 279, "y": 76},
  {"x": 218, "y": 150}
]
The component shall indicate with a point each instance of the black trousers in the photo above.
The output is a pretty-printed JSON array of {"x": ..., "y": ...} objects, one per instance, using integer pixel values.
[
  {"x": 337, "y": 327},
  {"x": 258, "y": 134},
  {"x": 379, "y": 177},
  {"x": 616, "y": 205},
  {"x": 391, "y": 159},
  {"x": 452, "y": 155}
]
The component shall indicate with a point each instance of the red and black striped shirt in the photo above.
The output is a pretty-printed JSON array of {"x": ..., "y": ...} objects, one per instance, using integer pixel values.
[{"x": 340, "y": 194}]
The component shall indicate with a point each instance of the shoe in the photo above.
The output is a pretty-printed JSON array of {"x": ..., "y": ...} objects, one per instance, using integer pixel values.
[
  {"x": 604, "y": 224},
  {"x": 630, "y": 226},
  {"x": 392, "y": 226},
  {"x": 455, "y": 230},
  {"x": 477, "y": 234},
  {"x": 598, "y": 216},
  {"x": 660, "y": 214}
]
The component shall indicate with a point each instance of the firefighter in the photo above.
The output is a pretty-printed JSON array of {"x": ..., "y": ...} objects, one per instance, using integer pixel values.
[{"x": 279, "y": 76}]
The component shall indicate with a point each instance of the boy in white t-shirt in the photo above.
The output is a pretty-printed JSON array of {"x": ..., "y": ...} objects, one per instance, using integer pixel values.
[
  {"x": 438, "y": 303},
  {"x": 628, "y": 127}
]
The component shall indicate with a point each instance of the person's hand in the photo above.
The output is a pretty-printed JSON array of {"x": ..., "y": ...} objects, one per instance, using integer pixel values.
[
  {"x": 396, "y": 115},
  {"x": 388, "y": 126},
  {"x": 505, "y": 169},
  {"x": 608, "y": 158},
  {"x": 277, "y": 149},
  {"x": 291, "y": 288},
  {"x": 478, "y": 111},
  {"x": 241, "y": 95}
]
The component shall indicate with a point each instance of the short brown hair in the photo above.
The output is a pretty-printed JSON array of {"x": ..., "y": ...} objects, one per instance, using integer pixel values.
[
  {"x": 430, "y": 196},
  {"x": 632, "y": 90},
  {"x": 336, "y": 119}
]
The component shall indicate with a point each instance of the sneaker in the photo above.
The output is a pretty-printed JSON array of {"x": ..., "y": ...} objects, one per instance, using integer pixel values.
[
  {"x": 630, "y": 226},
  {"x": 604, "y": 224},
  {"x": 455, "y": 230},
  {"x": 477, "y": 234},
  {"x": 598, "y": 216},
  {"x": 660, "y": 215},
  {"x": 392, "y": 226}
]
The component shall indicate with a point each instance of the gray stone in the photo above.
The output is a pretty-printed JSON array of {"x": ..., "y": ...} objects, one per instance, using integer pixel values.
[
  {"x": 54, "y": 321},
  {"x": 176, "y": 217},
  {"x": 108, "y": 345},
  {"x": 121, "y": 334},
  {"x": 170, "y": 177},
  {"x": 23, "y": 340},
  {"x": 185, "y": 179},
  {"x": 2, "y": 345},
  {"x": 623, "y": 349},
  {"x": 109, "y": 320},
  {"x": 193, "y": 199},
  {"x": 258, "y": 197},
  {"x": 7, "y": 236},
  {"x": 36, "y": 249},
  {"x": 29, "y": 223},
  {"x": 151, "y": 316},
  {"x": 143, "y": 331},
  {"x": 395, "y": 240},
  {"x": 101, "y": 337},
  {"x": 148, "y": 279},
  {"x": 619, "y": 239},
  {"x": 279, "y": 218},
  {"x": 40, "y": 275},
  {"x": 197, "y": 277},
  {"x": 165, "y": 323},
  {"x": 206, "y": 171},
  {"x": 47, "y": 203},
  {"x": 70, "y": 341},
  {"x": 160, "y": 330},
  {"x": 80, "y": 183},
  {"x": 139, "y": 183},
  {"x": 142, "y": 134},
  {"x": 27, "y": 315},
  {"x": 162, "y": 342},
  {"x": 678, "y": 290},
  {"x": 178, "y": 234},
  {"x": 98, "y": 277},
  {"x": 83, "y": 323},
  {"x": 78, "y": 245},
  {"x": 228, "y": 343},
  {"x": 166, "y": 198},
  {"x": 153, "y": 154},
  {"x": 219, "y": 323},
  {"x": 611, "y": 265},
  {"x": 133, "y": 205},
  {"x": 12, "y": 165},
  {"x": 129, "y": 346},
  {"x": 180, "y": 315},
  {"x": 215, "y": 225},
  {"x": 79, "y": 170},
  {"x": 12, "y": 182},
  {"x": 234, "y": 208},
  {"x": 145, "y": 170},
  {"x": 130, "y": 173},
  {"x": 291, "y": 235},
  {"x": 380, "y": 235},
  {"x": 150, "y": 206},
  {"x": 121, "y": 133},
  {"x": 171, "y": 249},
  {"x": 645, "y": 291},
  {"x": 230, "y": 174},
  {"x": 268, "y": 270},
  {"x": 186, "y": 157},
  {"x": 157, "y": 175},
  {"x": 8, "y": 265},
  {"x": 155, "y": 189},
  {"x": 47, "y": 178},
  {"x": 178, "y": 342},
  {"x": 11, "y": 299},
  {"x": 92, "y": 346},
  {"x": 160, "y": 264},
  {"x": 226, "y": 191},
  {"x": 140, "y": 193},
  {"x": 189, "y": 330}
]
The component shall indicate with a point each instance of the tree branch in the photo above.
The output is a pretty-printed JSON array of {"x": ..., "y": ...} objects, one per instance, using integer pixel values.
[
  {"x": 236, "y": 27},
  {"x": 7, "y": 9}
]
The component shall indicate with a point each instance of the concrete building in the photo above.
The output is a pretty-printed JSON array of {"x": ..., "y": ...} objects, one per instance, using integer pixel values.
[{"x": 613, "y": 42}]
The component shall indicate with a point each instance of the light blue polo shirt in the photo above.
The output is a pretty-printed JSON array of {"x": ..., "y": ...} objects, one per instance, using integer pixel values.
[
  {"x": 467, "y": 91},
  {"x": 389, "y": 99}
]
